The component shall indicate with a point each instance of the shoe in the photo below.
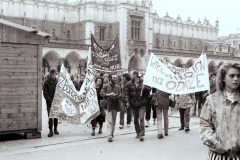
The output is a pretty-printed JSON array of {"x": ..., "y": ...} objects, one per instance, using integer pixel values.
[
  {"x": 56, "y": 131},
  {"x": 160, "y": 136},
  {"x": 187, "y": 129},
  {"x": 137, "y": 136},
  {"x": 129, "y": 125},
  {"x": 147, "y": 124},
  {"x": 166, "y": 134},
  {"x": 110, "y": 139},
  {"x": 100, "y": 131},
  {"x": 141, "y": 138},
  {"x": 50, "y": 134},
  {"x": 93, "y": 133},
  {"x": 121, "y": 126},
  {"x": 154, "y": 122},
  {"x": 181, "y": 128}
]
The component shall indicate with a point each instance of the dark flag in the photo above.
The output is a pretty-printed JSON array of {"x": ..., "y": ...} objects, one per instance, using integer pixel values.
[{"x": 107, "y": 60}]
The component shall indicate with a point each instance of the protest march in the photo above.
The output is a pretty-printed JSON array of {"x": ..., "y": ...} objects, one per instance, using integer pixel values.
[{"x": 103, "y": 93}]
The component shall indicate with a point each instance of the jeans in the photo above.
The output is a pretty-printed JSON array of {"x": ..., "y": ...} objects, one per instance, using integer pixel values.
[
  {"x": 159, "y": 119},
  {"x": 184, "y": 116},
  {"x": 148, "y": 112},
  {"x": 122, "y": 112},
  {"x": 111, "y": 121},
  {"x": 139, "y": 115}
]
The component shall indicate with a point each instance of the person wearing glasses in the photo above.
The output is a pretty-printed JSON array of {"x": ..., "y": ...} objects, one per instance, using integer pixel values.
[{"x": 220, "y": 116}]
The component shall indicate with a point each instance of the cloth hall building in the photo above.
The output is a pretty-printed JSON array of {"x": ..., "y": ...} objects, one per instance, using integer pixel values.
[{"x": 141, "y": 31}]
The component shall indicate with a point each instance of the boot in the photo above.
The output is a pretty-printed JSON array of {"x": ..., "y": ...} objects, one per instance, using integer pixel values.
[
  {"x": 55, "y": 126},
  {"x": 93, "y": 132},
  {"x": 100, "y": 131},
  {"x": 50, "y": 126}
]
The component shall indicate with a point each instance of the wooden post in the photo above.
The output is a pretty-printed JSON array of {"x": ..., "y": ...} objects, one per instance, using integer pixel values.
[{"x": 39, "y": 110}]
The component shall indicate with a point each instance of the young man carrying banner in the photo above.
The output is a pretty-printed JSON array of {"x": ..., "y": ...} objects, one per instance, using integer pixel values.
[
  {"x": 111, "y": 92},
  {"x": 48, "y": 93},
  {"x": 137, "y": 97}
]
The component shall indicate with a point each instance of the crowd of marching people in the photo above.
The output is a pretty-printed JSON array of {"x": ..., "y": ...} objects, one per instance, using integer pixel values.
[
  {"x": 218, "y": 108},
  {"x": 126, "y": 94}
]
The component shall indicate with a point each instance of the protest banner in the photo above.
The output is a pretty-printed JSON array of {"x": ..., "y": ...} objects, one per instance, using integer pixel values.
[
  {"x": 194, "y": 79},
  {"x": 107, "y": 60},
  {"x": 76, "y": 107}
]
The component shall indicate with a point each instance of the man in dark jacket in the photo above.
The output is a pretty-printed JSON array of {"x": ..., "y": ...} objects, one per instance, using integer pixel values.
[
  {"x": 111, "y": 92},
  {"x": 125, "y": 79},
  {"x": 137, "y": 96},
  {"x": 48, "y": 92}
]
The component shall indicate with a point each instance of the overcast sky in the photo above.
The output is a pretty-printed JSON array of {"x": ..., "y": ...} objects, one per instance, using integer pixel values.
[{"x": 227, "y": 12}]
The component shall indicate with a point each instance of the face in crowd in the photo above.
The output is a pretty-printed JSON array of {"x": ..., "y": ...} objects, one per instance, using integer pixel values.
[
  {"x": 106, "y": 78},
  {"x": 231, "y": 79},
  {"x": 99, "y": 82},
  {"x": 114, "y": 79},
  {"x": 133, "y": 74},
  {"x": 228, "y": 78},
  {"x": 52, "y": 75}
]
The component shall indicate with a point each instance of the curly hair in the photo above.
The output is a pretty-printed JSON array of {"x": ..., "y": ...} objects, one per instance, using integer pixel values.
[{"x": 221, "y": 73}]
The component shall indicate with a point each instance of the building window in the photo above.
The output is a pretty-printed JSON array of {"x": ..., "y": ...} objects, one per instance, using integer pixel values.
[
  {"x": 205, "y": 48},
  {"x": 135, "y": 30},
  {"x": 68, "y": 34},
  {"x": 101, "y": 34},
  {"x": 53, "y": 32},
  {"x": 162, "y": 42},
  {"x": 195, "y": 46},
  {"x": 174, "y": 43},
  {"x": 220, "y": 48},
  {"x": 229, "y": 48},
  {"x": 185, "y": 45},
  {"x": 34, "y": 27}
]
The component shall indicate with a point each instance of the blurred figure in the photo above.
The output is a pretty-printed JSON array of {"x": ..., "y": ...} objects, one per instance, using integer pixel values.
[
  {"x": 184, "y": 103},
  {"x": 125, "y": 79},
  {"x": 48, "y": 93},
  {"x": 137, "y": 96},
  {"x": 219, "y": 120},
  {"x": 111, "y": 92},
  {"x": 100, "y": 118},
  {"x": 162, "y": 107}
]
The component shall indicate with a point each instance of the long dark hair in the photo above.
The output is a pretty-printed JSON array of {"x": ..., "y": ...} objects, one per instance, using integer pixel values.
[{"x": 99, "y": 89}]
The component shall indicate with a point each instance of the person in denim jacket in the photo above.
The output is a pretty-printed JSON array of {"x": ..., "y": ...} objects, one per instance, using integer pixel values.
[{"x": 220, "y": 116}]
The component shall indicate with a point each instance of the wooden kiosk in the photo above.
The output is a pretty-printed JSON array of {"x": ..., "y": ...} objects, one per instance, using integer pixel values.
[{"x": 21, "y": 79}]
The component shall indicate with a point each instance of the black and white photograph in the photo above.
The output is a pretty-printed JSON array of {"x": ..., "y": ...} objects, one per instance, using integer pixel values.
[{"x": 119, "y": 79}]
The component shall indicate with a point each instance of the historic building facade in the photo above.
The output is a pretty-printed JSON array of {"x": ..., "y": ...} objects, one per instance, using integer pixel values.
[{"x": 141, "y": 31}]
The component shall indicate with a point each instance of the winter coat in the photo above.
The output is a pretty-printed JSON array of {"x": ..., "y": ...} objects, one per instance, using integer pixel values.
[
  {"x": 185, "y": 100},
  {"x": 49, "y": 91},
  {"x": 220, "y": 123},
  {"x": 162, "y": 99},
  {"x": 112, "y": 102},
  {"x": 137, "y": 96}
]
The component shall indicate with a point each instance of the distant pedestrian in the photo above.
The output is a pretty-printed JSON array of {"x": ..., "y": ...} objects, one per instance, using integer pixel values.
[
  {"x": 184, "y": 103},
  {"x": 220, "y": 116},
  {"x": 111, "y": 93},
  {"x": 151, "y": 108},
  {"x": 162, "y": 107},
  {"x": 125, "y": 79},
  {"x": 101, "y": 117},
  {"x": 136, "y": 97},
  {"x": 48, "y": 92}
]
